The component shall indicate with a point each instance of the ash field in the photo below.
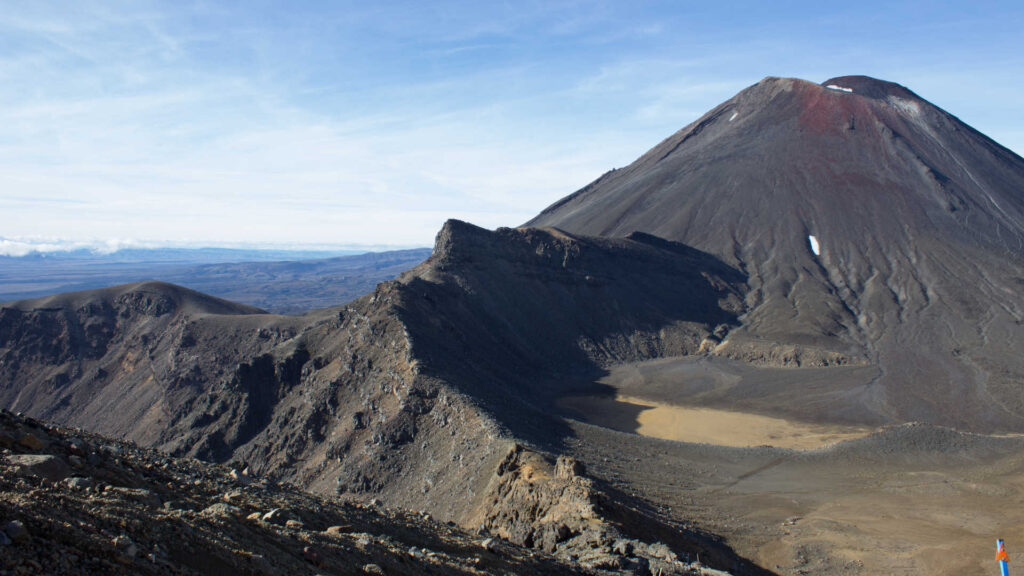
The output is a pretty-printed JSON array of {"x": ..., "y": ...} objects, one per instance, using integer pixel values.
[{"x": 786, "y": 340}]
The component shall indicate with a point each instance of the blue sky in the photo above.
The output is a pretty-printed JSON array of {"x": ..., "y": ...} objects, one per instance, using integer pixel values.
[{"x": 336, "y": 124}]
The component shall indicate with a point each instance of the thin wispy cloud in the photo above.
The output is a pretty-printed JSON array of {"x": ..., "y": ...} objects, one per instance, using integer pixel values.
[{"x": 372, "y": 124}]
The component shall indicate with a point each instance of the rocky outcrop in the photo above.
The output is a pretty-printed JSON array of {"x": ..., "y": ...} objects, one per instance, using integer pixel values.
[
  {"x": 555, "y": 507},
  {"x": 128, "y": 510}
]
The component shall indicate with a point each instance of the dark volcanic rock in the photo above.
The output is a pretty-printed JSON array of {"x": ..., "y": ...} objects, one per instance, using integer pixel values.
[
  {"x": 40, "y": 465},
  {"x": 412, "y": 394},
  {"x": 919, "y": 221},
  {"x": 535, "y": 313},
  {"x": 58, "y": 529}
]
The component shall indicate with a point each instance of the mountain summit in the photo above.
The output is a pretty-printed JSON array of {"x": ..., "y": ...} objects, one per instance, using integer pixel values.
[{"x": 875, "y": 229}]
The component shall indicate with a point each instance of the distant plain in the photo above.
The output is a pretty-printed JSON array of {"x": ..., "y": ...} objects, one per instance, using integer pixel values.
[{"x": 279, "y": 281}]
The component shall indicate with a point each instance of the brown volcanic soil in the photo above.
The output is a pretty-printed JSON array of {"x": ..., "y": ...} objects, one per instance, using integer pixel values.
[
  {"x": 920, "y": 221},
  {"x": 913, "y": 499},
  {"x": 910, "y": 499}
]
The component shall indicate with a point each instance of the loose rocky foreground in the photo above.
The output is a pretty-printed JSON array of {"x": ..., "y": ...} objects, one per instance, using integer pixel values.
[{"x": 76, "y": 503}]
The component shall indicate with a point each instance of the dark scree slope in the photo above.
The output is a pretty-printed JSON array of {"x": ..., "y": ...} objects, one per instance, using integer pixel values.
[{"x": 920, "y": 224}]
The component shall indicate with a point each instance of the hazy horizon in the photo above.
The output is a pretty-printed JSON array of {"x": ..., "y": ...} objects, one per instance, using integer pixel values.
[
  {"x": 346, "y": 124},
  {"x": 20, "y": 247}
]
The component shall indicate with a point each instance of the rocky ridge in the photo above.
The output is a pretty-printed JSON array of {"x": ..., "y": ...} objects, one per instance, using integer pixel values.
[{"x": 415, "y": 394}]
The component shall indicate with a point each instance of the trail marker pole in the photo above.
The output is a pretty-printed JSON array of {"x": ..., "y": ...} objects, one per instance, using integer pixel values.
[{"x": 1003, "y": 558}]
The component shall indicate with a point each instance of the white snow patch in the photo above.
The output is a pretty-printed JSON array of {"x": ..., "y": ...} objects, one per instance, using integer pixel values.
[
  {"x": 814, "y": 245},
  {"x": 840, "y": 88},
  {"x": 734, "y": 115}
]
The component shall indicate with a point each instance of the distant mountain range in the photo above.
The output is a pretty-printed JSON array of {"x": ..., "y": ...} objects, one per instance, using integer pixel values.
[{"x": 281, "y": 281}]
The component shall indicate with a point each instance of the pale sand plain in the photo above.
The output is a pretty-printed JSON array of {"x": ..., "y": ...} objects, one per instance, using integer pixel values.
[
  {"x": 795, "y": 496},
  {"x": 706, "y": 425}
]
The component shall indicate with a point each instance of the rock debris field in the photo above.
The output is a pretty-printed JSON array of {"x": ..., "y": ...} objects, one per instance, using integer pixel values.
[{"x": 76, "y": 503}]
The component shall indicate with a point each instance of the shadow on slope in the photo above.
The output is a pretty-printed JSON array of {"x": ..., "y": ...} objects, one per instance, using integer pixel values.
[{"x": 520, "y": 316}]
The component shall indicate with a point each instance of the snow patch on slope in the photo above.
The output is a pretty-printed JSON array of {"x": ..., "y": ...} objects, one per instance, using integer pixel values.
[
  {"x": 815, "y": 247},
  {"x": 839, "y": 88}
]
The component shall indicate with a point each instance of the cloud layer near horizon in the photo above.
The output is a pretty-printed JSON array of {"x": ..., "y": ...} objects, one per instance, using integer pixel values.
[{"x": 341, "y": 123}]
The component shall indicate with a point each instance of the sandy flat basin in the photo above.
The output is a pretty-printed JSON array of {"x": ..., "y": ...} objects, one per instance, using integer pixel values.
[{"x": 705, "y": 425}]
